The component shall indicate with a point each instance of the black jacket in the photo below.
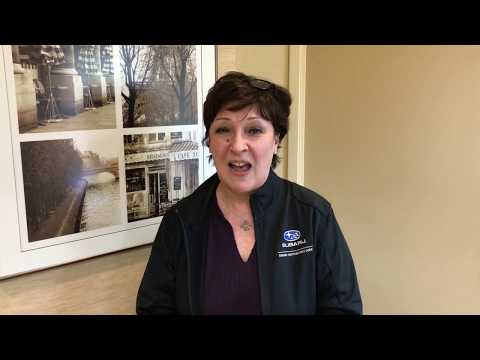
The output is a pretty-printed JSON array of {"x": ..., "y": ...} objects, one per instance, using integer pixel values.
[{"x": 304, "y": 263}]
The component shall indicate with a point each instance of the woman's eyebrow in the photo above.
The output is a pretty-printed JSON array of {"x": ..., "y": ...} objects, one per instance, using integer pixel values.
[{"x": 251, "y": 117}]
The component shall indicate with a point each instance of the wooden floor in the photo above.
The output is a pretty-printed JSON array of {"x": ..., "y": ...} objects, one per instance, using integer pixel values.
[{"x": 103, "y": 285}]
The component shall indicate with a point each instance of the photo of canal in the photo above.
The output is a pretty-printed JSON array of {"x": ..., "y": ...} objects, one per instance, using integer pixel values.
[
  {"x": 71, "y": 185},
  {"x": 101, "y": 205}
]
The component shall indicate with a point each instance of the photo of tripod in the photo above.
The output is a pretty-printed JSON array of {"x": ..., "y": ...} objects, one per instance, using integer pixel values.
[{"x": 52, "y": 114}]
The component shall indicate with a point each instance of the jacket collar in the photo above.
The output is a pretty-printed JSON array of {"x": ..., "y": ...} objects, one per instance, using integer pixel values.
[
  {"x": 195, "y": 208},
  {"x": 262, "y": 198}
]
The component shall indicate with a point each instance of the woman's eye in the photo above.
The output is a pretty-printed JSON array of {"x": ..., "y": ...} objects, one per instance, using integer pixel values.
[
  {"x": 254, "y": 131},
  {"x": 221, "y": 130}
]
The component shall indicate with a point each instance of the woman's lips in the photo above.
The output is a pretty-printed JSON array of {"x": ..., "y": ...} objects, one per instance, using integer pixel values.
[{"x": 240, "y": 167}]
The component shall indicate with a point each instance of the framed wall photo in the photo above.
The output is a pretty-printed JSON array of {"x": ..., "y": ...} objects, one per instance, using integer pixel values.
[{"x": 99, "y": 141}]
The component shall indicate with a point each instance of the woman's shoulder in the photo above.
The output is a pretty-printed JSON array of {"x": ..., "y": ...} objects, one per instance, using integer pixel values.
[{"x": 308, "y": 197}]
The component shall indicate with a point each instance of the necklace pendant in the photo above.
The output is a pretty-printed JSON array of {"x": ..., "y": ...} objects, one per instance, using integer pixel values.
[{"x": 245, "y": 225}]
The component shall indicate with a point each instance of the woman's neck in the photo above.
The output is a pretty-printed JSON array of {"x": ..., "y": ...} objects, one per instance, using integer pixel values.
[{"x": 235, "y": 200}]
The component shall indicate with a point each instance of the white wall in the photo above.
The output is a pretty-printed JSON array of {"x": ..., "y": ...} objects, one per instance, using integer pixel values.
[{"x": 393, "y": 141}]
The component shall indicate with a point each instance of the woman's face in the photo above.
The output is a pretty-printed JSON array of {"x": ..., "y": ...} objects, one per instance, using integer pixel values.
[{"x": 242, "y": 144}]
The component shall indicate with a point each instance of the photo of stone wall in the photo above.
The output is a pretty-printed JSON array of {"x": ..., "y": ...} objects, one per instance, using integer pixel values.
[{"x": 64, "y": 87}]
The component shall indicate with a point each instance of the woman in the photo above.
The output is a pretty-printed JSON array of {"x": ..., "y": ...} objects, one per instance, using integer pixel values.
[{"x": 247, "y": 241}]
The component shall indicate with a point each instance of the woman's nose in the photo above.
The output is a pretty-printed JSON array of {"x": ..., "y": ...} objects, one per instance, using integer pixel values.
[{"x": 238, "y": 143}]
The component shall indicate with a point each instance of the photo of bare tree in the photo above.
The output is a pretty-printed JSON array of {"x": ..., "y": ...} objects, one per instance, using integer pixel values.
[
  {"x": 160, "y": 169},
  {"x": 64, "y": 87},
  {"x": 159, "y": 85},
  {"x": 70, "y": 185}
]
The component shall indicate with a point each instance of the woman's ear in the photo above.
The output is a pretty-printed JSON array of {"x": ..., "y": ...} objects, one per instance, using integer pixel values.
[{"x": 277, "y": 143}]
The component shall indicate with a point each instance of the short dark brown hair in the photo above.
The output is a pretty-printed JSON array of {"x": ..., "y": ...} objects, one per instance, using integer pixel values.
[{"x": 235, "y": 90}]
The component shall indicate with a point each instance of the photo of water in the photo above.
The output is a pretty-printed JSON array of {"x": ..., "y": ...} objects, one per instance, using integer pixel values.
[
  {"x": 101, "y": 205},
  {"x": 71, "y": 185}
]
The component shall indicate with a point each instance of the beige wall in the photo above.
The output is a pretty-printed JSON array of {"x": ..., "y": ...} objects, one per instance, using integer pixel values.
[
  {"x": 393, "y": 141},
  {"x": 265, "y": 61}
]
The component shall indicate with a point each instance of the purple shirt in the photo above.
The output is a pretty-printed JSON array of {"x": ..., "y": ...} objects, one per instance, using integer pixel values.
[{"x": 231, "y": 287}]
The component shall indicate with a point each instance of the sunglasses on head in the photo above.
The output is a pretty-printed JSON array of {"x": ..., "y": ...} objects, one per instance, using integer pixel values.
[{"x": 261, "y": 84}]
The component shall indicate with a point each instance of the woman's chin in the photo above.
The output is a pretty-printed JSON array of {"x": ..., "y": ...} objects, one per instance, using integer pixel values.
[{"x": 240, "y": 187}]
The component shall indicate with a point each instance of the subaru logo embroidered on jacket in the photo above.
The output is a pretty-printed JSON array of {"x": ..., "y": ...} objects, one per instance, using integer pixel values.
[
  {"x": 291, "y": 235},
  {"x": 293, "y": 244}
]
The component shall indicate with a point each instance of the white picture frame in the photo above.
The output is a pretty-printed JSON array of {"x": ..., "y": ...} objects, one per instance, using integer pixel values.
[{"x": 17, "y": 254}]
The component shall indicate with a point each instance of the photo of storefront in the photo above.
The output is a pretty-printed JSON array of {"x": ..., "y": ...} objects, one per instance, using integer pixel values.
[{"x": 161, "y": 168}]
